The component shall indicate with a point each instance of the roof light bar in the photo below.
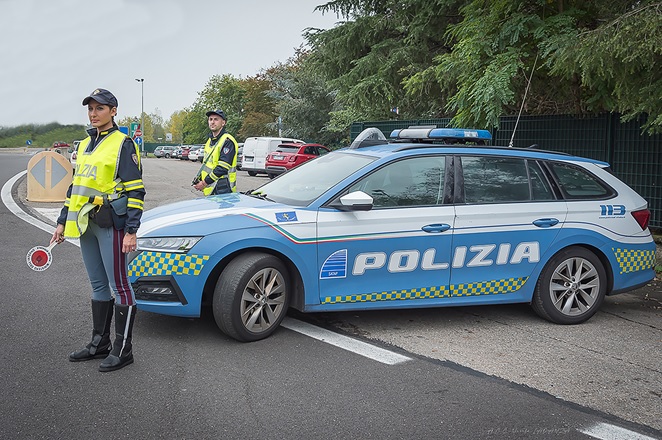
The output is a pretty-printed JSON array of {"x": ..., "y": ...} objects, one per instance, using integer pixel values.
[{"x": 441, "y": 133}]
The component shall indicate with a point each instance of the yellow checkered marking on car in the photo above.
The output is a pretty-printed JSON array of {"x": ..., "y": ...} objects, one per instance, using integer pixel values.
[
  {"x": 494, "y": 287},
  {"x": 632, "y": 260},
  {"x": 161, "y": 263}
]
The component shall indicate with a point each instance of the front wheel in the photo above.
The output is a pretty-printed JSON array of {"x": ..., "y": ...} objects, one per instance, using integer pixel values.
[
  {"x": 571, "y": 288},
  {"x": 252, "y": 296},
  {"x": 252, "y": 173}
]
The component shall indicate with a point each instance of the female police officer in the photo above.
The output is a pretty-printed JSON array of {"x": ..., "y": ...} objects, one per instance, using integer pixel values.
[{"x": 108, "y": 170}]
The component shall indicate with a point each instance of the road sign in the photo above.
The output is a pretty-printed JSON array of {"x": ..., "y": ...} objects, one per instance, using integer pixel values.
[
  {"x": 124, "y": 129},
  {"x": 134, "y": 126},
  {"x": 138, "y": 141},
  {"x": 138, "y": 133},
  {"x": 28, "y": 142}
]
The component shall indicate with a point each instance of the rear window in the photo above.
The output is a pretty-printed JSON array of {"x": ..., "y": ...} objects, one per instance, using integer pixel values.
[
  {"x": 287, "y": 149},
  {"x": 577, "y": 183}
]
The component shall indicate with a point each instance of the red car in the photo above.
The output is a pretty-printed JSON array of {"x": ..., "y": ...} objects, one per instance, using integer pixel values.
[
  {"x": 288, "y": 156},
  {"x": 184, "y": 154}
]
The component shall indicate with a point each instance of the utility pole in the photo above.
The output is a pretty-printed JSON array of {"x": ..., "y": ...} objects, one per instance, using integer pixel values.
[{"x": 142, "y": 114}]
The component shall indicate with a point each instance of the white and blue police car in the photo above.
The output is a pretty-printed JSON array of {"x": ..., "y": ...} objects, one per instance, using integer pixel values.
[{"x": 431, "y": 218}]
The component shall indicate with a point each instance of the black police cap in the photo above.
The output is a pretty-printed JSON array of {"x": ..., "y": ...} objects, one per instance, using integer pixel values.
[
  {"x": 102, "y": 96},
  {"x": 218, "y": 112}
]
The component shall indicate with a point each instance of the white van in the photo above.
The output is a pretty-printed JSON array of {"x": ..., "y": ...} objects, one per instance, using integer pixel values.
[{"x": 256, "y": 150}]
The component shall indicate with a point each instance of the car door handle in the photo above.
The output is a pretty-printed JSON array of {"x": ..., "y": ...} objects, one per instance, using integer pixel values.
[
  {"x": 439, "y": 227},
  {"x": 546, "y": 222}
]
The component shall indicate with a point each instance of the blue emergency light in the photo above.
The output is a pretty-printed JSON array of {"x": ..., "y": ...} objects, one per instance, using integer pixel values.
[{"x": 449, "y": 134}]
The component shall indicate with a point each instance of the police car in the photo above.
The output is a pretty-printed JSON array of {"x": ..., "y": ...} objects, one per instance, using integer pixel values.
[{"x": 430, "y": 218}]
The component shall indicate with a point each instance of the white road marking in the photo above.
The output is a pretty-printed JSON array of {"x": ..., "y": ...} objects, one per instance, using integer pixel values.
[
  {"x": 9, "y": 202},
  {"x": 605, "y": 431},
  {"x": 346, "y": 343},
  {"x": 355, "y": 346}
]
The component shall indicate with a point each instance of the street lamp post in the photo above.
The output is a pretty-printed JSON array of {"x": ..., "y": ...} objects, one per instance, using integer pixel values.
[{"x": 142, "y": 114}]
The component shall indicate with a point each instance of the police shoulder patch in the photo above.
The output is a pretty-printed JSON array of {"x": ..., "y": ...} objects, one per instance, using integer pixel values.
[
  {"x": 135, "y": 158},
  {"x": 226, "y": 150}
]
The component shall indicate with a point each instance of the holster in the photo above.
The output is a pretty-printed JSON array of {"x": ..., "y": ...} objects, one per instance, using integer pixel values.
[
  {"x": 102, "y": 216},
  {"x": 118, "y": 210}
]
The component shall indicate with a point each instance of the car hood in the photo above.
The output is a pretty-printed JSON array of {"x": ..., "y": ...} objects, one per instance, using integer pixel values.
[{"x": 199, "y": 216}]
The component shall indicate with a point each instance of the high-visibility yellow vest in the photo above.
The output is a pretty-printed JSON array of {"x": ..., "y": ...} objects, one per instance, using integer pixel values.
[
  {"x": 95, "y": 175},
  {"x": 210, "y": 162}
]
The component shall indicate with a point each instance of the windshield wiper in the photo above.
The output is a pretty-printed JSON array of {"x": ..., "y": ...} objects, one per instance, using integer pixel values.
[{"x": 258, "y": 195}]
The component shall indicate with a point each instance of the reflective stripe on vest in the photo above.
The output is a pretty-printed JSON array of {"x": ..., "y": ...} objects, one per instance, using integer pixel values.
[
  {"x": 95, "y": 175},
  {"x": 211, "y": 160}
]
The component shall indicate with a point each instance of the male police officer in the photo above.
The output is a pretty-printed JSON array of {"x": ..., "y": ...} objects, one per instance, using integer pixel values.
[{"x": 218, "y": 174}]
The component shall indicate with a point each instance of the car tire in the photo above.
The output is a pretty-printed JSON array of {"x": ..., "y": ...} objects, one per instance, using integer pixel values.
[
  {"x": 252, "y": 296},
  {"x": 252, "y": 173},
  {"x": 167, "y": 156},
  {"x": 271, "y": 175},
  {"x": 571, "y": 287}
]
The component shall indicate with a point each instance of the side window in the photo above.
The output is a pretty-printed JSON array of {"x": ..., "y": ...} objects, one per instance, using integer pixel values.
[
  {"x": 577, "y": 183},
  {"x": 409, "y": 182},
  {"x": 495, "y": 179}
]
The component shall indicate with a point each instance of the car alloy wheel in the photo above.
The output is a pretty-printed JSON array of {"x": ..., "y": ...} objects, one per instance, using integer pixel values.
[
  {"x": 571, "y": 288},
  {"x": 251, "y": 296}
]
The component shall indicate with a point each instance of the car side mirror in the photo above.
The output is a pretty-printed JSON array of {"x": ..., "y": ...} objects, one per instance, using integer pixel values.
[{"x": 354, "y": 201}]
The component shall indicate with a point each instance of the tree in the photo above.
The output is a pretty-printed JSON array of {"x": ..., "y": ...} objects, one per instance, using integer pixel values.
[
  {"x": 617, "y": 64},
  {"x": 259, "y": 109},
  {"x": 175, "y": 125},
  {"x": 367, "y": 58},
  {"x": 221, "y": 92},
  {"x": 304, "y": 101},
  {"x": 477, "y": 60}
]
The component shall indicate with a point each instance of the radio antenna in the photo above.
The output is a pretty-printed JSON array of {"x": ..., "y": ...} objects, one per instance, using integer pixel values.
[{"x": 526, "y": 91}]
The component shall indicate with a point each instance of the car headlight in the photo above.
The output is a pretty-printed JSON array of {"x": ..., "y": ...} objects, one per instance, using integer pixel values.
[{"x": 179, "y": 245}]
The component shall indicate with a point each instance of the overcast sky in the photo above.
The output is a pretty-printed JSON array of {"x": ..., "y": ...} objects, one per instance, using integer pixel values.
[{"x": 53, "y": 53}]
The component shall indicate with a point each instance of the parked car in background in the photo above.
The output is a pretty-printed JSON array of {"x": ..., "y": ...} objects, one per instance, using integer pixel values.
[
  {"x": 164, "y": 151},
  {"x": 431, "y": 218},
  {"x": 176, "y": 153},
  {"x": 288, "y": 156},
  {"x": 194, "y": 153},
  {"x": 256, "y": 150},
  {"x": 240, "y": 154},
  {"x": 183, "y": 155}
]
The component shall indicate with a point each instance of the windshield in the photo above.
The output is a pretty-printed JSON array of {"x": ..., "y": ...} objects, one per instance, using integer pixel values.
[{"x": 304, "y": 184}]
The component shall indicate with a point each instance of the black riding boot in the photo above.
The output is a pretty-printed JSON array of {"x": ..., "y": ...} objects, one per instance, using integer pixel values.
[
  {"x": 102, "y": 316},
  {"x": 121, "y": 354}
]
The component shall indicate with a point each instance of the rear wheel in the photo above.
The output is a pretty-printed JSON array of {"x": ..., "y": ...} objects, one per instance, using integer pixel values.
[
  {"x": 252, "y": 173},
  {"x": 271, "y": 175},
  {"x": 252, "y": 296},
  {"x": 571, "y": 288}
]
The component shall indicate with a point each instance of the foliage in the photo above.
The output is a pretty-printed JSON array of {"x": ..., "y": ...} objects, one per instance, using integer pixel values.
[
  {"x": 259, "y": 109},
  {"x": 221, "y": 92},
  {"x": 175, "y": 126},
  {"x": 42, "y": 136},
  {"x": 367, "y": 59},
  {"x": 304, "y": 101},
  {"x": 477, "y": 60},
  {"x": 617, "y": 63}
]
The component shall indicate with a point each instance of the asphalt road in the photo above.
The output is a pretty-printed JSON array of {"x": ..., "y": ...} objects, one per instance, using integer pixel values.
[{"x": 479, "y": 372}]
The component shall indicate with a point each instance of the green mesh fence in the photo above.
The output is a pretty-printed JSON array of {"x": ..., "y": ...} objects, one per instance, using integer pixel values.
[{"x": 636, "y": 158}]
